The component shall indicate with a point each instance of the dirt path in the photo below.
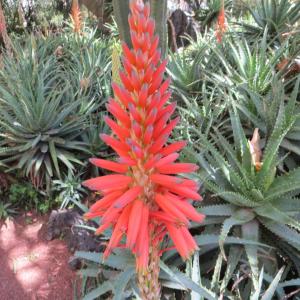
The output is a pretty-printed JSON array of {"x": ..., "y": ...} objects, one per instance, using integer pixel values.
[{"x": 32, "y": 268}]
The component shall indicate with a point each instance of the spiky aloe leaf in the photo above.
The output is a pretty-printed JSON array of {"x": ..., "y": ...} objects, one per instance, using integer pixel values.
[
  {"x": 188, "y": 283},
  {"x": 217, "y": 272},
  {"x": 276, "y": 215},
  {"x": 235, "y": 253},
  {"x": 241, "y": 216},
  {"x": 269, "y": 293},
  {"x": 284, "y": 232},
  {"x": 250, "y": 231},
  {"x": 284, "y": 184},
  {"x": 217, "y": 210},
  {"x": 121, "y": 281},
  {"x": 101, "y": 290}
]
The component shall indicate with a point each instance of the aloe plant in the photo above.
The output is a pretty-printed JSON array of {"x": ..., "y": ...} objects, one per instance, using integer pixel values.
[
  {"x": 252, "y": 203},
  {"x": 276, "y": 15},
  {"x": 41, "y": 116},
  {"x": 262, "y": 112},
  {"x": 244, "y": 65}
]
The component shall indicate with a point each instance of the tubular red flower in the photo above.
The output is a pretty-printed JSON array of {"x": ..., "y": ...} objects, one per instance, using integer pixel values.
[
  {"x": 221, "y": 24},
  {"x": 108, "y": 181},
  {"x": 146, "y": 200}
]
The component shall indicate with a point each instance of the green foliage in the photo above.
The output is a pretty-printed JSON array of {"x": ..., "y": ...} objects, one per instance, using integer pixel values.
[
  {"x": 207, "y": 14},
  {"x": 262, "y": 111},
  {"x": 244, "y": 65},
  {"x": 277, "y": 15},
  {"x": 46, "y": 106},
  {"x": 6, "y": 211},
  {"x": 40, "y": 120},
  {"x": 69, "y": 190},
  {"x": 24, "y": 196},
  {"x": 33, "y": 15},
  {"x": 259, "y": 202}
]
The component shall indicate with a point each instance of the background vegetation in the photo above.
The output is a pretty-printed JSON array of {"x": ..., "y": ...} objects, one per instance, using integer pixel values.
[{"x": 239, "y": 103}]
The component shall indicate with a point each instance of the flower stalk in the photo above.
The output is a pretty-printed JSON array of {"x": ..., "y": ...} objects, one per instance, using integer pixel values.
[{"x": 144, "y": 200}]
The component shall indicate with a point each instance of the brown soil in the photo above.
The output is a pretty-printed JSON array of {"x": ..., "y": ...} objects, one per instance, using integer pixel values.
[{"x": 32, "y": 268}]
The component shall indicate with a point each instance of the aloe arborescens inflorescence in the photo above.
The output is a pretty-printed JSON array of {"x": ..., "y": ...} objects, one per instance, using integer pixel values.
[{"x": 144, "y": 201}]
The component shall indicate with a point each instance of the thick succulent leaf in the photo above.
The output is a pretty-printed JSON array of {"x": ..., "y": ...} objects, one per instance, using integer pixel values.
[
  {"x": 276, "y": 215},
  {"x": 121, "y": 281},
  {"x": 269, "y": 294},
  {"x": 196, "y": 275},
  {"x": 240, "y": 217},
  {"x": 213, "y": 240},
  {"x": 188, "y": 283},
  {"x": 235, "y": 253},
  {"x": 240, "y": 140},
  {"x": 217, "y": 210},
  {"x": 290, "y": 205},
  {"x": 99, "y": 291},
  {"x": 257, "y": 293},
  {"x": 266, "y": 175},
  {"x": 284, "y": 232},
  {"x": 250, "y": 231},
  {"x": 284, "y": 184},
  {"x": 234, "y": 162},
  {"x": 236, "y": 199},
  {"x": 119, "y": 262}
]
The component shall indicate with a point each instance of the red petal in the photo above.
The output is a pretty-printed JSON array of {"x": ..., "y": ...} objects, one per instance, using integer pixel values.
[
  {"x": 121, "y": 132},
  {"x": 109, "y": 165},
  {"x": 134, "y": 113},
  {"x": 106, "y": 182},
  {"x": 173, "y": 148},
  {"x": 177, "y": 168},
  {"x": 166, "y": 160},
  {"x": 148, "y": 135},
  {"x": 128, "y": 197},
  {"x": 164, "y": 99},
  {"x": 168, "y": 129},
  {"x": 142, "y": 247},
  {"x": 156, "y": 82},
  {"x": 165, "y": 86},
  {"x": 151, "y": 117},
  {"x": 134, "y": 223},
  {"x": 128, "y": 54},
  {"x": 122, "y": 94},
  {"x": 169, "y": 109},
  {"x": 186, "y": 208},
  {"x": 126, "y": 82},
  {"x": 116, "y": 110},
  {"x": 102, "y": 228},
  {"x": 178, "y": 240},
  {"x": 156, "y": 147},
  {"x": 143, "y": 95},
  {"x": 120, "y": 147},
  {"x": 170, "y": 209},
  {"x": 106, "y": 201}
]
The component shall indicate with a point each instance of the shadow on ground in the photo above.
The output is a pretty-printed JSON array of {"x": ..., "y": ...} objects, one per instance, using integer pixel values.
[{"x": 31, "y": 267}]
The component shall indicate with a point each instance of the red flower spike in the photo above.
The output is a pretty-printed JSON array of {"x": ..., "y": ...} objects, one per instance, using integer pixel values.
[
  {"x": 144, "y": 200},
  {"x": 221, "y": 24}
]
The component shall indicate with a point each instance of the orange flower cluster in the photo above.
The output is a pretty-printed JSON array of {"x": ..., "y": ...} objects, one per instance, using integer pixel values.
[
  {"x": 144, "y": 200},
  {"x": 221, "y": 24},
  {"x": 76, "y": 16}
]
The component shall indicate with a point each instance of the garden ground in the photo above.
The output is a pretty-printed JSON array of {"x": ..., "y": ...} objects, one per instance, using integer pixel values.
[{"x": 32, "y": 268}]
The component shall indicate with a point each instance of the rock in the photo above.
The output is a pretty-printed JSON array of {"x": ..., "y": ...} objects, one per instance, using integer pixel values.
[{"x": 65, "y": 223}]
